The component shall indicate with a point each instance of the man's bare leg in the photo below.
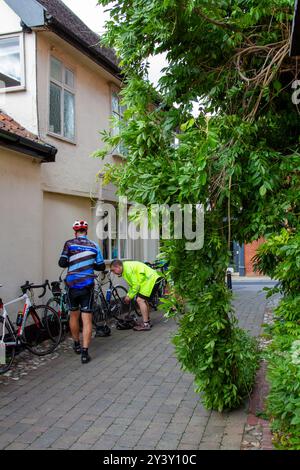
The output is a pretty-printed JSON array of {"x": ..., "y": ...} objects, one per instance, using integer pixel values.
[
  {"x": 74, "y": 325},
  {"x": 87, "y": 329},
  {"x": 145, "y": 309}
]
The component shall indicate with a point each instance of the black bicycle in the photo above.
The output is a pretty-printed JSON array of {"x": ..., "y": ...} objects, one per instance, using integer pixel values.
[
  {"x": 58, "y": 301},
  {"x": 161, "y": 292},
  {"x": 111, "y": 306}
]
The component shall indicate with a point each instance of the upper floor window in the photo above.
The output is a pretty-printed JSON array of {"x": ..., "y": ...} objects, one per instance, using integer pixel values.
[
  {"x": 62, "y": 100},
  {"x": 117, "y": 114},
  {"x": 12, "y": 76}
]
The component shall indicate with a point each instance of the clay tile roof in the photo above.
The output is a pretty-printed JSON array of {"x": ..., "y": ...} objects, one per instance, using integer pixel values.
[
  {"x": 69, "y": 21},
  {"x": 8, "y": 124},
  {"x": 16, "y": 137}
]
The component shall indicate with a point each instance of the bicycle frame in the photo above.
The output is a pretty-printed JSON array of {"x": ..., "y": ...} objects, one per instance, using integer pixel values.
[
  {"x": 100, "y": 293},
  {"x": 27, "y": 305}
]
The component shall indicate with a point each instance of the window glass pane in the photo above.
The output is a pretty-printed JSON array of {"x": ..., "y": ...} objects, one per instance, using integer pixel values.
[
  {"x": 69, "y": 115},
  {"x": 69, "y": 78},
  {"x": 122, "y": 110},
  {"x": 123, "y": 249},
  {"x": 104, "y": 246},
  {"x": 115, "y": 124},
  {"x": 115, "y": 103},
  {"x": 56, "y": 69},
  {"x": 10, "y": 62},
  {"x": 114, "y": 248},
  {"x": 55, "y": 109}
]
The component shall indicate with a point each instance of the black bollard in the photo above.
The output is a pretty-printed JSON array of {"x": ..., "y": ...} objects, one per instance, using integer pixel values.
[{"x": 229, "y": 280}]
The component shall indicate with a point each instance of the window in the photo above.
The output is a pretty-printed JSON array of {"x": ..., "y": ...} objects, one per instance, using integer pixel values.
[
  {"x": 12, "y": 76},
  {"x": 117, "y": 115},
  {"x": 116, "y": 244},
  {"x": 62, "y": 100}
]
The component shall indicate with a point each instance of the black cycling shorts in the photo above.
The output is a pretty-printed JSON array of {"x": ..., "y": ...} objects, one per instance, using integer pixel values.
[
  {"x": 153, "y": 292},
  {"x": 80, "y": 299}
]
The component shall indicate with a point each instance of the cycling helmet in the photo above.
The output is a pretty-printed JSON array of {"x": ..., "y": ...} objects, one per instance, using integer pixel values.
[{"x": 80, "y": 225}]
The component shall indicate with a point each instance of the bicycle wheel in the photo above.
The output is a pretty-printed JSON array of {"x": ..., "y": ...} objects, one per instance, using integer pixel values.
[
  {"x": 56, "y": 303},
  {"x": 9, "y": 340},
  {"x": 119, "y": 308},
  {"x": 42, "y": 330},
  {"x": 100, "y": 313}
]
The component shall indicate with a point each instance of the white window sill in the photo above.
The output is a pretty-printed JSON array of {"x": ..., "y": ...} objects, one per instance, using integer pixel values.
[{"x": 12, "y": 89}]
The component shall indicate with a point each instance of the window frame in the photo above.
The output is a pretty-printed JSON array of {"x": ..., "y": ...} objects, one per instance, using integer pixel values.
[
  {"x": 115, "y": 90},
  {"x": 21, "y": 87},
  {"x": 64, "y": 87},
  {"x": 128, "y": 254}
]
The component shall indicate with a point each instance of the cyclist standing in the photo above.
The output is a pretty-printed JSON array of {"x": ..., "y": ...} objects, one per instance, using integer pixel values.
[
  {"x": 143, "y": 282},
  {"x": 81, "y": 256}
]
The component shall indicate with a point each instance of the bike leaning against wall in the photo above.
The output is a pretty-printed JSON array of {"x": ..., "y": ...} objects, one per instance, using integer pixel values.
[{"x": 37, "y": 328}]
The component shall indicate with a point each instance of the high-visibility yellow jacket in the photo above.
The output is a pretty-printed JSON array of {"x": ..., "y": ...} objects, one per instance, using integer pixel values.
[{"x": 140, "y": 278}]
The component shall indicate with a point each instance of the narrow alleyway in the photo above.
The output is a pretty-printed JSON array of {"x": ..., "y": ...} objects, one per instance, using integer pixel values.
[{"x": 132, "y": 395}]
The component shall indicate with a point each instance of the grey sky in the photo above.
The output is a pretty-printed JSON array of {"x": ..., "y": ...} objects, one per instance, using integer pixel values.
[
  {"x": 94, "y": 16},
  {"x": 90, "y": 12}
]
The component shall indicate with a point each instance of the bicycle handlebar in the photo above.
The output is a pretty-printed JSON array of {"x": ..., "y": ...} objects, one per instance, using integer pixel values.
[{"x": 28, "y": 286}]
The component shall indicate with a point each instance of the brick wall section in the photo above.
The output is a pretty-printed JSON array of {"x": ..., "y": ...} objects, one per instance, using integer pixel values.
[
  {"x": 250, "y": 252},
  {"x": 257, "y": 405}
]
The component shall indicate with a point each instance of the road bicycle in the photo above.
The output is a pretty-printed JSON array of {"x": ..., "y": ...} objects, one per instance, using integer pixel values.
[
  {"x": 111, "y": 305},
  {"x": 37, "y": 329},
  {"x": 106, "y": 307},
  {"x": 161, "y": 292},
  {"x": 58, "y": 301}
]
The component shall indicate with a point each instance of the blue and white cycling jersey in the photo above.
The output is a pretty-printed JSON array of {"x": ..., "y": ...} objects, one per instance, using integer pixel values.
[{"x": 82, "y": 254}]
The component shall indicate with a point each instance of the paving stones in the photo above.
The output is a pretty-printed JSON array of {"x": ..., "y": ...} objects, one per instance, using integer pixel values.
[
  {"x": 132, "y": 395},
  {"x": 26, "y": 362},
  {"x": 257, "y": 434}
]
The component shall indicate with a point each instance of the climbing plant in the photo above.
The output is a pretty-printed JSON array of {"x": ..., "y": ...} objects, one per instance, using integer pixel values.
[{"x": 238, "y": 156}]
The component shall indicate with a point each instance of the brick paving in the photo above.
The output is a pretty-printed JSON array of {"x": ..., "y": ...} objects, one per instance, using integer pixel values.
[{"x": 132, "y": 395}]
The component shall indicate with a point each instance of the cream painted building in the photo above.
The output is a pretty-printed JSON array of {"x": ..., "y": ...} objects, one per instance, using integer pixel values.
[{"x": 57, "y": 82}]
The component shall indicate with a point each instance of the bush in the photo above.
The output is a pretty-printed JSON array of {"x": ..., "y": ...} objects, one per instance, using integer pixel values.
[
  {"x": 223, "y": 358},
  {"x": 283, "y": 403},
  {"x": 280, "y": 258}
]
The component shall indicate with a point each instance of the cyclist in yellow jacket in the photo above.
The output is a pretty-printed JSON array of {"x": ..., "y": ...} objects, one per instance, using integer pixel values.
[{"x": 143, "y": 283}]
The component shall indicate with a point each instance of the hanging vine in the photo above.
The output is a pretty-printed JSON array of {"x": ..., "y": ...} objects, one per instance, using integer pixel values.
[{"x": 235, "y": 157}]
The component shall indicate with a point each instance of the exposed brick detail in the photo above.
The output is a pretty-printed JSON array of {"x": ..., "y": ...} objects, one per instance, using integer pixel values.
[
  {"x": 250, "y": 252},
  {"x": 257, "y": 405}
]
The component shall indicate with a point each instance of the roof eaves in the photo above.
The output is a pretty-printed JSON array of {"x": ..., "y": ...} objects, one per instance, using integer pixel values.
[
  {"x": 62, "y": 31},
  {"x": 42, "y": 151}
]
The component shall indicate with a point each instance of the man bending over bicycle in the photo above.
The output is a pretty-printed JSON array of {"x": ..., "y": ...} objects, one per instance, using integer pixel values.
[
  {"x": 143, "y": 282},
  {"x": 81, "y": 256}
]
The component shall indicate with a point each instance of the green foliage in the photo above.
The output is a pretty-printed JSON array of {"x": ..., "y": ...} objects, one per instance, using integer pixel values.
[
  {"x": 283, "y": 404},
  {"x": 239, "y": 157},
  {"x": 280, "y": 258},
  {"x": 223, "y": 358}
]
